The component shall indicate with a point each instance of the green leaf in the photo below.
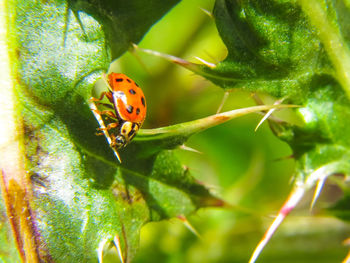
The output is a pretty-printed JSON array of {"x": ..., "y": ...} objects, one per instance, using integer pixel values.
[
  {"x": 299, "y": 52},
  {"x": 275, "y": 47},
  {"x": 83, "y": 198},
  {"x": 124, "y": 22},
  {"x": 263, "y": 41}
]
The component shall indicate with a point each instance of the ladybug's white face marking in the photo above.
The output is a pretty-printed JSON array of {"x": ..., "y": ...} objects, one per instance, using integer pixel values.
[{"x": 128, "y": 130}]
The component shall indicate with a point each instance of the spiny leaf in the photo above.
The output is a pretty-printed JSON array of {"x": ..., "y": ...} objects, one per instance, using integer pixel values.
[
  {"x": 282, "y": 48},
  {"x": 173, "y": 136},
  {"x": 81, "y": 197},
  {"x": 264, "y": 41}
]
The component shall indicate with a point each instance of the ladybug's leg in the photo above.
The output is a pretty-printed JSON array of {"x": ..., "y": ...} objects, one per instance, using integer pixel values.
[
  {"x": 108, "y": 127},
  {"x": 112, "y": 144},
  {"x": 106, "y": 105},
  {"x": 103, "y": 94},
  {"x": 107, "y": 113},
  {"x": 100, "y": 98}
]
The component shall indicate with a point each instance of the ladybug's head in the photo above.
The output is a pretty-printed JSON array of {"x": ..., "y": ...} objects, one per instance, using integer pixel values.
[
  {"x": 127, "y": 132},
  {"x": 119, "y": 141}
]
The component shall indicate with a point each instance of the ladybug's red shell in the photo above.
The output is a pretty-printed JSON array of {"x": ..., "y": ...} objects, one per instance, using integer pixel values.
[{"x": 129, "y": 100}]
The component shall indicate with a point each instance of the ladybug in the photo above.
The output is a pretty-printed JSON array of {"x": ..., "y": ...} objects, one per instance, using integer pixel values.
[{"x": 125, "y": 112}]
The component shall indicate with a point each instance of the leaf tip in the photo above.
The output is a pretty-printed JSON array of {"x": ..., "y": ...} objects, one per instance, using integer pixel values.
[
  {"x": 101, "y": 245},
  {"x": 116, "y": 241},
  {"x": 208, "y": 64},
  {"x": 319, "y": 187},
  {"x": 189, "y": 226},
  {"x": 293, "y": 199},
  {"x": 207, "y": 12},
  {"x": 186, "y": 148},
  {"x": 226, "y": 94},
  {"x": 182, "y": 62},
  {"x": 215, "y": 202},
  {"x": 268, "y": 114}
]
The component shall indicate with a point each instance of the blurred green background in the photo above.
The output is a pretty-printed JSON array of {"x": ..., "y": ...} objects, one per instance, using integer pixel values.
[{"x": 250, "y": 170}]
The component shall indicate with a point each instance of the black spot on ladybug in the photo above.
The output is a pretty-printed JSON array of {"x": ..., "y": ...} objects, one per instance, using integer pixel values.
[
  {"x": 128, "y": 80},
  {"x": 143, "y": 101},
  {"x": 137, "y": 111},
  {"x": 130, "y": 109},
  {"x": 118, "y": 80},
  {"x": 136, "y": 84},
  {"x": 132, "y": 91}
]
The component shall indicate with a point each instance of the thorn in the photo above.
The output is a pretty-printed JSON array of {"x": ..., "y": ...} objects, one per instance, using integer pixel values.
[
  {"x": 117, "y": 245},
  {"x": 278, "y": 102},
  {"x": 209, "y": 186},
  {"x": 117, "y": 154},
  {"x": 208, "y": 13},
  {"x": 134, "y": 47},
  {"x": 189, "y": 226},
  {"x": 319, "y": 186},
  {"x": 257, "y": 99},
  {"x": 138, "y": 58},
  {"x": 284, "y": 158},
  {"x": 321, "y": 174},
  {"x": 171, "y": 58},
  {"x": 208, "y": 64},
  {"x": 186, "y": 148},
  {"x": 100, "y": 121},
  {"x": 222, "y": 102},
  {"x": 287, "y": 207},
  {"x": 264, "y": 118},
  {"x": 100, "y": 250},
  {"x": 195, "y": 68},
  {"x": 347, "y": 258}
]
